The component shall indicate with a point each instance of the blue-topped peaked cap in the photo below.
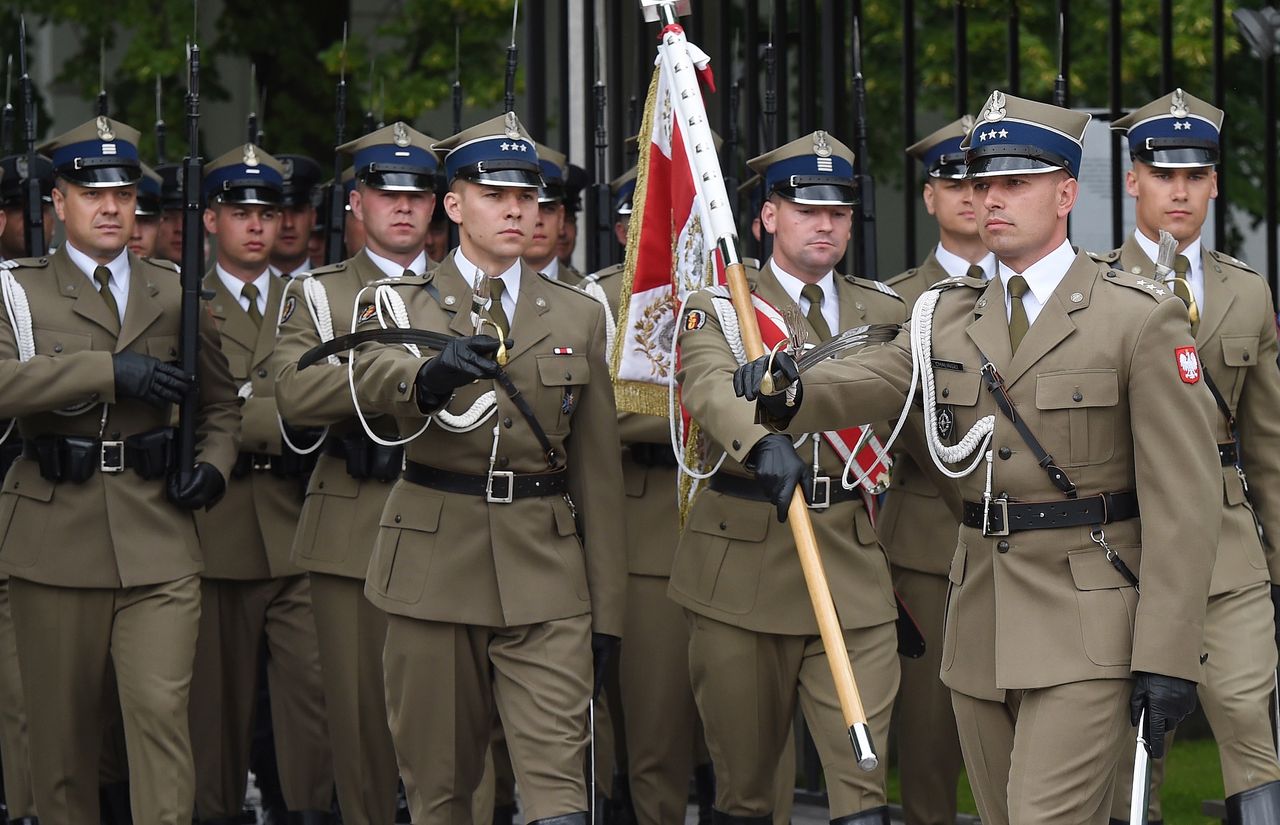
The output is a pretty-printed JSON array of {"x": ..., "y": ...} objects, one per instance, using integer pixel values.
[
  {"x": 397, "y": 158},
  {"x": 498, "y": 152},
  {"x": 940, "y": 152},
  {"x": 170, "y": 185},
  {"x": 816, "y": 169},
  {"x": 553, "y": 165},
  {"x": 148, "y": 203},
  {"x": 1013, "y": 135},
  {"x": 301, "y": 176},
  {"x": 98, "y": 154},
  {"x": 246, "y": 175},
  {"x": 14, "y": 171},
  {"x": 623, "y": 188},
  {"x": 1175, "y": 131}
]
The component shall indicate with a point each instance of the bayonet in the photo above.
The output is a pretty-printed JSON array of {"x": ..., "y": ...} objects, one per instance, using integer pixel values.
[
  {"x": 1060, "y": 82},
  {"x": 252, "y": 130},
  {"x": 160, "y": 127},
  {"x": 32, "y": 199},
  {"x": 509, "y": 99},
  {"x": 604, "y": 241},
  {"x": 864, "y": 225},
  {"x": 7, "y": 116},
  {"x": 103, "y": 107},
  {"x": 333, "y": 247},
  {"x": 369, "y": 119},
  {"x": 457, "y": 79}
]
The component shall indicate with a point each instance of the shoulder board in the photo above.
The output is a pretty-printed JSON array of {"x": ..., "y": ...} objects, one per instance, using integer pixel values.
[
  {"x": 328, "y": 269},
  {"x": 1223, "y": 257},
  {"x": 1105, "y": 257},
  {"x": 163, "y": 263},
  {"x": 607, "y": 272},
  {"x": 958, "y": 281},
  {"x": 751, "y": 263},
  {"x": 878, "y": 286},
  {"x": 902, "y": 276},
  {"x": 1148, "y": 286},
  {"x": 403, "y": 280},
  {"x": 563, "y": 285},
  {"x": 24, "y": 263}
]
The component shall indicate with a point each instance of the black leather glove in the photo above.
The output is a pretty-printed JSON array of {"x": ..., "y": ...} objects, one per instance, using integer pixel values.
[
  {"x": 201, "y": 486},
  {"x": 141, "y": 376},
  {"x": 462, "y": 361},
  {"x": 778, "y": 470},
  {"x": 1167, "y": 700},
  {"x": 603, "y": 648},
  {"x": 1275, "y": 604},
  {"x": 747, "y": 379}
]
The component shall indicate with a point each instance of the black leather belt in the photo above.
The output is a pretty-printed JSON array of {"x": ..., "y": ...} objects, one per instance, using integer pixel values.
[
  {"x": 1229, "y": 454},
  {"x": 828, "y": 490},
  {"x": 498, "y": 487},
  {"x": 365, "y": 458},
  {"x": 287, "y": 465},
  {"x": 652, "y": 455},
  {"x": 1004, "y": 517},
  {"x": 76, "y": 458}
]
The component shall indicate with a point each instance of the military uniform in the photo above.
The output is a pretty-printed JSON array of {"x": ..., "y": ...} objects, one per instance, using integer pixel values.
[
  {"x": 302, "y": 177},
  {"x": 509, "y": 615},
  {"x": 343, "y": 507},
  {"x": 1043, "y": 633},
  {"x": 1236, "y": 338},
  {"x": 754, "y": 648},
  {"x": 251, "y": 591},
  {"x": 917, "y": 528},
  {"x": 104, "y": 571}
]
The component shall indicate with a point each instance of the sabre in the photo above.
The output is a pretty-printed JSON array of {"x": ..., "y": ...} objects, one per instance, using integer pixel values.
[
  {"x": 481, "y": 300},
  {"x": 1139, "y": 794}
]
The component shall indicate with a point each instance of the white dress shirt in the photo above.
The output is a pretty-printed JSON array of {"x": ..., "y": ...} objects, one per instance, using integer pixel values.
[
  {"x": 1043, "y": 278},
  {"x": 830, "y": 300},
  {"x": 510, "y": 282},
  {"x": 394, "y": 270},
  {"x": 119, "y": 267},
  {"x": 955, "y": 266},
  {"x": 1195, "y": 274},
  {"x": 236, "y": 286}
]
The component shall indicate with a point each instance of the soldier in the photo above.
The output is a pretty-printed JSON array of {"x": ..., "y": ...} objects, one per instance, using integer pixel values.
[
  {"x": 12, "y": 197},
  {"x": 147, "y": 214},
  {"x": 437, "y": 243},
  {"x": 353, "y": 477},
  {"x": 575, "y": 180},
  {"x": 527, "y": 601},
  {"x": 252, "y": 593},
  {"x": 169, "y": 239},
  {"x": 289, "y": 254},
  {"x": 916, "y": 527},
  {"x": 98, "y": 539},
  {"x": 753, "y": 656},
  {"x": 1048, "y": 648},
  {"x": 540, "y": 255},
  {"x": 1173, "y": 142}
]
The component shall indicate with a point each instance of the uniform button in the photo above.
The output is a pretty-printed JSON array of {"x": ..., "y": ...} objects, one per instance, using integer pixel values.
[
  {"x": 946, "y": 392},
  {"x": 1005, "y": 452},
  {"x": 262, "y": 373},
  {"x": 1077, "y": 397},
  {"x": 57, "y": 347},
  {"x": 402, "y": 386},
  {"x": 173, "y": 353},
  {"x": 1002, "y": 494},
  {"x": 1002, "y": 546},
  {"x": 506, "y": 422},
  {"x": 94, "y": 396},
  {"x": 17, "y": 484},
  {"x": 724, "y": 525},
  {"x": 503, "y": 461},
  {"x": 737, "y": 445},
  {"x": 398, "y": 521},
  {"x": 568, "y": 376},
  {"x": 1244, "y": 357},
  {"x": 320, "y": 485}
]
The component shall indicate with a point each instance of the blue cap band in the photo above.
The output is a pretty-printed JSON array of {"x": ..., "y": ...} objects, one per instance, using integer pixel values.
[
  {"x": 551, "y": 173},
  {"x": 240, "y": 175},
  {"x": 499, "y": 150},
  {"x": 988, "y": 138},
  {"x": 1171, "y": 128},
  {"x": 97, "y": 151},
  {"x": 407, "y": 158},
  {"x": 779, "y": 174},
  {"x": 933, "y": 158}
]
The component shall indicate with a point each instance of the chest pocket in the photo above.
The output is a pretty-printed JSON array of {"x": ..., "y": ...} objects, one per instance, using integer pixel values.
[
  {"x": 560, "y": 379},
  {"x": 957, "y": 394},
  {"x": 56, "y": 342},
  {"x": 1078, "y": 411}
]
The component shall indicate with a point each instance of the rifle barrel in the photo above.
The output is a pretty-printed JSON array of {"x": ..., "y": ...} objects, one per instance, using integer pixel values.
[
  {"x": 192, "y": 264},
  {"x": 32, "y": 201}
]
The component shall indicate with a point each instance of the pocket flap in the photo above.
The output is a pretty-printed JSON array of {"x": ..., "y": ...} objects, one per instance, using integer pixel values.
[
  {"x": 1090, "y": 569},
  {"x": 163, "y": 347},
  {"x": 958, "y": 560},
  {"x": 25, "y": 480},
  {"x": 743, "y": 521},
  {"x": 563, "y": 370},
  {"x": 1239, "y": 351},
  {"x": 333, "y": 484},
  {"x": 57, "y": 342},
  {"x": 412, "y": 508},
  {"x": 1076, "y": 389},
  {"x": 958, "y": 388}
]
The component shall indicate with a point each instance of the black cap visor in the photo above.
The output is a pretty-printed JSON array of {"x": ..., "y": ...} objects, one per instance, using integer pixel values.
[
  {"x": 95, "y": 176},
  {"x": 502, "y": 173},
  {"x": 397, "y": 177},
  {"x": 147, "y": 206},
  {"x": 293, "y": 196},
  {"x": 248, "y": 195},
  {"x": 1178, "y": 157},
  {"x": 827, "y": 193},
  {"x": 550, "y": 193},
  {"x": 1035, "y": 162},
  {"x": 950, "y": 165}
]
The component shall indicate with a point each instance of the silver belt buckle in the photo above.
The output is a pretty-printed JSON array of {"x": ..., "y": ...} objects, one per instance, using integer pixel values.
[
  {"x": 262, "y": 463},
  {"x": 1001, "y": 505},
  {"x": 820, "y": 493},
  {"x": 111, "y": 457},
  {"x": 510, "y": 481}
]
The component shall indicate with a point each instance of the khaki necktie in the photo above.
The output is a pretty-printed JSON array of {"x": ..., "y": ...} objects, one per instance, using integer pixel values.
[
  {"x": 815, "y": 296},
  {"x": 496, "y": 313},
  {"x": 103, "y": 276},
  {"x": 1182, "y": 288},
  {"x": 1018, "y": 323},
  {"x": 250, "y": 292},
  {"x": 976, "y": 272}
]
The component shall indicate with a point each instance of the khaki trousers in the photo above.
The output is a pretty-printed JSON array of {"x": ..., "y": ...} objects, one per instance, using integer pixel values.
[
  {"x": 444, "y": 682},
  {"x": 351, "y": 633},
  {"x": 1235, "y": 691},
  {"x": 747, "y": 686},
  {"x": 67, "y": 638},
  {"x": 1046, "y": 755},
  {"x": 238, "y": 617},
  {"x": 13, "y": 718},
  {"x": 929, "y": 758}
]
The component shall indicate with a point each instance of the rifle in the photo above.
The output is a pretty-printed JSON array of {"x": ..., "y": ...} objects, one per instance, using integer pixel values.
[
  {"x": 7, "y": 116},
  {"x": 731, "y": 143},
  {"x": 864, "y": 224},
  {"x": 333, "y": 245},
  {"x": 370, "y": 119},
  {"x": 160, "y": 127},
  {"x": 454, "y": 240},
  {"x": 1060, "y": 82},
  {"x": 103, "y": 108},
  {"x": 192, "y": 263},
  {"x": 769, "y": 113},
  {"x": 32, "y": 201},
  {"x": 251, "y": 130},
  {"x": 603, "y": 252},
  {"x": 509, "y": 98}
]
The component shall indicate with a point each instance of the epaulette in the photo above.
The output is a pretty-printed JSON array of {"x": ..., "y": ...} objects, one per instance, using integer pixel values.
[
  {"x": 878, "y": 286},
  {"x": 570, "y": 287},
  {"x": 902, "y": 276},
  {"x": 327, "y": 269},
  {"x": 403, "y": 280},
  {"x": 1149, "y": 286},
  {"x": 751, "y": 263},
  {"x": 1107, "y": 258},
  {"x": 959, "y": 280},
  {"x": 1223, "y": 257},
  {"x": 24, "y": 263},
  {"x": 163, "y": 263},
  {"x": 608, "y": 272}
]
